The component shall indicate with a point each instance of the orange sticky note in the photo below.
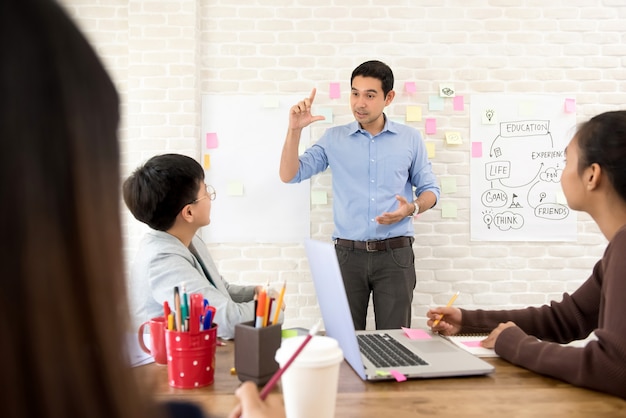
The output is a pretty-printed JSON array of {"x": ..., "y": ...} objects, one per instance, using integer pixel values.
[{"x": 207, "y": 161}]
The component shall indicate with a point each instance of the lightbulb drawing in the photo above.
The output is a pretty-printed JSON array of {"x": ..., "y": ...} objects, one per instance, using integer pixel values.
[
  {"x": 488, "y": 219},
  {"x": 489, "y": 114}
]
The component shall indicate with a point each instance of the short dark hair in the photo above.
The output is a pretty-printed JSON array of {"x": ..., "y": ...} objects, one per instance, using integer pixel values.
[
  {"x": 157, "y": 191},
  {"x": 602, "y": 140},
  {"x": 375, "y": 69}
]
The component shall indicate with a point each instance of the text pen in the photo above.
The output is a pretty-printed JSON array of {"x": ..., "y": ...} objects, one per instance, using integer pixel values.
[
  {"x": 260, "y": 309},
  {"x": 279, "y": 304},
  {"x": 450, "y": 302},
  {"x": 272, "y": 382}
]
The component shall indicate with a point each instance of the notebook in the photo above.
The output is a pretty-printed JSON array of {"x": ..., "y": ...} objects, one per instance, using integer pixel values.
[{"x": 436, "y": 356}]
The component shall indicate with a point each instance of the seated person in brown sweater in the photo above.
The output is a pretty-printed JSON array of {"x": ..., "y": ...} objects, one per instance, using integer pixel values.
[{"x": 593, "y": 181}]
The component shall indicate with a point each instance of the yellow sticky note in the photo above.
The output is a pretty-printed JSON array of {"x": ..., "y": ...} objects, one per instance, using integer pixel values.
[
  {"x": 448, "y": 184},
  {"x": 430, "y": 148},
  {"x": 234, "y": 188},
  {"x": 207, "y": 161},
  {"x": 454, "y": 138},
  {"x": 448, "y": 210},
  {"x": 413, "y": 113},
  {"x": 319, "y": 198}
]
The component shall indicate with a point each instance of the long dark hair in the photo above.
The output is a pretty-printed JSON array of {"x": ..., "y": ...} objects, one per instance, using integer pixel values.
[
  {"x": 62, "y": 290},
  {"x": 602, "y": 140}
]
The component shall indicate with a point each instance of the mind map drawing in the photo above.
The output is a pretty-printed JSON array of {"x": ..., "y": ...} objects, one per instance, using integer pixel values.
[{"x": 516, "y": 165}]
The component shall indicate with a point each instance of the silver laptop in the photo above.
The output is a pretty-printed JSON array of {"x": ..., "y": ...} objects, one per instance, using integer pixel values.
[{"x": 428, "y": 357}]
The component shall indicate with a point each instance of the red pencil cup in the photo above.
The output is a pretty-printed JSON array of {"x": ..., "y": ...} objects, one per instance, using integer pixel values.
[{"x": 191, "y": 358}]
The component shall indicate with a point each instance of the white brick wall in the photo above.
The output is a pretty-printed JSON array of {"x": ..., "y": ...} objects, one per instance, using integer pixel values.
[{"x": 164, "y": 54}]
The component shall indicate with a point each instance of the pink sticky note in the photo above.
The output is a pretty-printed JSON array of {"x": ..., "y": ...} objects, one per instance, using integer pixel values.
[
  {"x": 472, "y": 343},
  {"x": 477, "y": 149},
  {"x": 211, "y": 140},
  {"x": 458, "y": 103},
  {"x": 416, "y": 334},
  {"x": 399, "y": 376},
  {"x": 570, "y": 105},
  {"x": 410, "y": 87},
  {"x": 335, "y": 90},
  {"x": 431, "y": 126}
]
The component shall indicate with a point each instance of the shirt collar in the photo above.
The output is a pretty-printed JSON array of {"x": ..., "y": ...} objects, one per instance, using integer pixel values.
[{"x": 389, "y": 126}]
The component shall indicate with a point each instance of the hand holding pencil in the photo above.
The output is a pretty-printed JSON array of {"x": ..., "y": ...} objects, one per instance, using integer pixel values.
[{"x": 445, "y": 320}]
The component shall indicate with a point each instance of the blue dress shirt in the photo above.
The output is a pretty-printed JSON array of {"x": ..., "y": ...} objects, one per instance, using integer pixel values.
[{"x": 367, "y": 173}]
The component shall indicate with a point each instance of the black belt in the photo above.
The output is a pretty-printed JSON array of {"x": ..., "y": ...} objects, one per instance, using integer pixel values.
[{"x": 372, "y": 246}]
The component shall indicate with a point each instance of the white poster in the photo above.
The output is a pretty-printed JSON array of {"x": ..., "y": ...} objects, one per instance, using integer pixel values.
[
  {"x": 242, "y": 139},
  {"x": 517, "y": 148}
]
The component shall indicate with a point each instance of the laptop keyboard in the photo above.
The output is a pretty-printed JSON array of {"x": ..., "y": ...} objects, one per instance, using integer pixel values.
[{"x": 384, "y": 351}]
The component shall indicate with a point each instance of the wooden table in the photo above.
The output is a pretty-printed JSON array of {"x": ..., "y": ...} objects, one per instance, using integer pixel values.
[{"x": 508, "y": 392}]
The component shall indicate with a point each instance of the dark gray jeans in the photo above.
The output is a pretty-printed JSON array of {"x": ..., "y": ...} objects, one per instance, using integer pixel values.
[{"x": 388, "y": 275}]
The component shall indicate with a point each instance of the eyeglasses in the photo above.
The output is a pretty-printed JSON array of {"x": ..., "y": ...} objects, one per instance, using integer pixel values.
[{"x": 210, "y": 193}]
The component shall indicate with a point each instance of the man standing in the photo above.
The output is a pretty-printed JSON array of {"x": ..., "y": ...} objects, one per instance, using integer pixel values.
[{"x": 376, "y": 163}]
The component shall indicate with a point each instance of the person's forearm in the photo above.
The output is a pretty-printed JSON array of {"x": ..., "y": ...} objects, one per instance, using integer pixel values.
[{"x": 289, "y": 162}]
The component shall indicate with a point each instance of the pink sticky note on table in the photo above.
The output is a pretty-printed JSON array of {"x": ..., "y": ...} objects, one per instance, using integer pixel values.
[
  {"x": 211, "y": 140},
  {"x": 458, "y": 103},
  {"x": 472, "y": 343},
  {"x": 431, "y": 126},
  {"x": 570, "y": 105},
  {"x": 335, "y": 91},
  {"x": 410, "y": 87},
  {"x": 398, "y": 376},
  {"x": 477, "y": 149},
  {"x": 416, "y": 334}
]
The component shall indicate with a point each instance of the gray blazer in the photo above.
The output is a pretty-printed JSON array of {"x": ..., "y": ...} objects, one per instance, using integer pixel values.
[{"x": 163, "y": 262}]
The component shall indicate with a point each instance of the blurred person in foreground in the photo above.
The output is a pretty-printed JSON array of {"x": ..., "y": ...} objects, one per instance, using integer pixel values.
[{"x": 62, "y": 288}]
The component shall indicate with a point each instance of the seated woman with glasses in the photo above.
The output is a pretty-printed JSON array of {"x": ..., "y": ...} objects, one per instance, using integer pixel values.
[{"x": 169, "y": 195}]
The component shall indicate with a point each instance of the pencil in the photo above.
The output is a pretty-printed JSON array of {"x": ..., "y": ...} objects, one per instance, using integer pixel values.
[
  {"x": 280, "y": 303},
  {"x": 177, "y": 309},
  {"x": 450, "y": 302},
  {"x": 272, "y": 382}
]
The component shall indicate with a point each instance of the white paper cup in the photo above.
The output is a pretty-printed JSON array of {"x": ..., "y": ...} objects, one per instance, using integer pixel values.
[{"x": 310, "y": 384}]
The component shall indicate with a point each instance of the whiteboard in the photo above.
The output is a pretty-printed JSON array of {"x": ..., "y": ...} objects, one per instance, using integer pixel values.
[
  {"x": 242, "y": 140},
  {"x": 518, "y": 144}
]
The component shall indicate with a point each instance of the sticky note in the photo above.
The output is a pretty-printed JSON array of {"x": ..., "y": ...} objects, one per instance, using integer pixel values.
[
  {"x": 448, "y": 184},
  {"x": 398, "y": 376},
  {"x": 288, "y": 333},
  {"x": 472, "y": 343},
  {"x": 570, "y": 105},
  {"x": 413, "y": 113},
  {"x": 435, "y": 103},
  {"x": 446, "y": 90},
  {"x": 410, "y": 87},
  {"x": 319, "y": 198},
  {"x": 489, "y": 117},
  {"x": 430, "y": 149},
  {"x": 211, "y": 140},
  {"x": 270, "y": 102},
  {"x": 431, "y": 126},
  {"x": 382, "y": 373},
  {"x": 458, "y": 103},
  {"x": 477, "y": 149},
  {"x": 454, "y": 138},
  {"x": 560, "y": 198},
  {"x": 416, "y": 334},
  {"x": 206, "y": 161},
  {"x": 234, "y": 188},
  {"x": 448, "y": 210},
  {"x": 327, "y": 112},
  {"x": 335, "y": 90}
]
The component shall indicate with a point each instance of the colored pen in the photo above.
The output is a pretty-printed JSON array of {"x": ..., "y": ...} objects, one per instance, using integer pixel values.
[
  {"x": 170, "y": 321},
  {"x": 272, "y": 382},
  {"x": 260, "y": 308},
  {"x": 177, "y": 309},
  {"x": 279, "y": 304},
  {"x": 166, "y": 309},
  {"x": 450, "y": 302},
  {"x": 266, "y": 309}
]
